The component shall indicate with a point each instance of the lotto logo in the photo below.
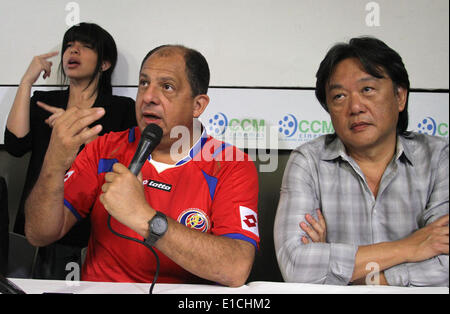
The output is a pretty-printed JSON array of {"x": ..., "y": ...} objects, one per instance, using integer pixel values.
[
  {"x": 249, "y": 220},
  {"x": 158, "y": 185}
]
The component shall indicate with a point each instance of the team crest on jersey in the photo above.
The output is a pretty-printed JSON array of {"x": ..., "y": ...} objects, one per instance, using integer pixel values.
[{"x": 195, "y": 219}]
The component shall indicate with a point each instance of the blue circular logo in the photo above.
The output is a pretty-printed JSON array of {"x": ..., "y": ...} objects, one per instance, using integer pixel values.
[
  {"x": 427, "y": 126},
  {"x": 217, "y": 124},
  {"x": 288, "y": 125}
]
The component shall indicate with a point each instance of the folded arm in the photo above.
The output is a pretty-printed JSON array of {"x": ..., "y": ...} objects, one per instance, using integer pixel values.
[
  {"x": 320, "y": 263},
  {"x": 419, "y": 259}
]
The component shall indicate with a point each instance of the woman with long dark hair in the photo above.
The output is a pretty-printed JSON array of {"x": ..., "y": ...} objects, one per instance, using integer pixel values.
[{"x": 88, "y": 58}]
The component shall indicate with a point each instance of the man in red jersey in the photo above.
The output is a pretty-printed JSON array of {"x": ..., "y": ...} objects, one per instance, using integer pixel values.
[{"x": 194, "y": 204}]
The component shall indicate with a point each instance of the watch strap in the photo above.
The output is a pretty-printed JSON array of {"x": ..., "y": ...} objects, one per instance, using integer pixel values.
[{"x": 152, "y": 236}]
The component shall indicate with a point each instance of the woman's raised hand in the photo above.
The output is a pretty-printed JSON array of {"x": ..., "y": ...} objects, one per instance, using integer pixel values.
[{"x": 37, "y": 65}]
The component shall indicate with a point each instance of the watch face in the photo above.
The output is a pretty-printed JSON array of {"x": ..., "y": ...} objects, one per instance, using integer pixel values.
[{"x": 159, "y": 225}]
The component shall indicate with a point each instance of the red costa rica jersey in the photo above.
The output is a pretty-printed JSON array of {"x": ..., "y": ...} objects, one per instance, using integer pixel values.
[{"x": 214, "y": 190}]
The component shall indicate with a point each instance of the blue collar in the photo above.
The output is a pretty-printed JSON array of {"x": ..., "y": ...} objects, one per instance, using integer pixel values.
[{"x": 198, "y": 146}]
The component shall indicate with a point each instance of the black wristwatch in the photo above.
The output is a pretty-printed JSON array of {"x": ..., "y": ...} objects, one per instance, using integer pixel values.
[{"x": 157, "y": 227}]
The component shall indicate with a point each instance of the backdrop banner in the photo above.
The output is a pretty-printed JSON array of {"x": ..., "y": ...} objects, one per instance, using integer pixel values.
[{"x": 277, "y": 118}]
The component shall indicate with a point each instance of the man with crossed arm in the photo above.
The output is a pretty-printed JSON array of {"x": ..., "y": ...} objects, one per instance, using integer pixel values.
[{"x": 372, "y": 197}]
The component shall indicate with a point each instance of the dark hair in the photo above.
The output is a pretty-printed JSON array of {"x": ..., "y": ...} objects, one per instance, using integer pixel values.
[
  {"x": 376, "y": 57},
  {"x": 102, "y": 42},
  {"x": 197, "y": 69}
]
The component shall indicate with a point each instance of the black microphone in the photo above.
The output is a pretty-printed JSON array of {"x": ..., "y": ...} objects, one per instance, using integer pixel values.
[{"x": 150, "y": 138}]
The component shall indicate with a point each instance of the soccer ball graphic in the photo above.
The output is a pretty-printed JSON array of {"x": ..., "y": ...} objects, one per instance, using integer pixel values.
[
  {"x": 217, "y": 124},
  {"x": 427, "y": 126},
  {"x": 288, "y": 125}
]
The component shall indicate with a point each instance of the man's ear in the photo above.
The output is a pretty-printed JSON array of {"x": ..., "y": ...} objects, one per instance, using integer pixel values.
[
  {"x": 402, "y": 96},
  {"x": 105, "y": 66},
  {"x": 200, "y": 104}
]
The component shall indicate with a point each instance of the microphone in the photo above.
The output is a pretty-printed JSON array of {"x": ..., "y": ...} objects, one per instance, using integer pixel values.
[{"x": 150, "y": 138}]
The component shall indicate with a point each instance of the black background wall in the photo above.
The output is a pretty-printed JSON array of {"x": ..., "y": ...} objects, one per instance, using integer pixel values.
[{"x": 4, "y": 226}]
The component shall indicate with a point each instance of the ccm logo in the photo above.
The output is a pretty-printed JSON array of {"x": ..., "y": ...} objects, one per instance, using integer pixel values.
[{"x": 158, "y": 185}]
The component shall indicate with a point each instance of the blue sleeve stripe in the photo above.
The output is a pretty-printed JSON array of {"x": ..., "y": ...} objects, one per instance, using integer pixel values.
[
  {"x": 238, "y": 236},
  {"x": 212, "y": 184},
  {"x": 106, "y": 165},
  {"x": 73, "y": 210},
  {"x": 132, "y": 135}
]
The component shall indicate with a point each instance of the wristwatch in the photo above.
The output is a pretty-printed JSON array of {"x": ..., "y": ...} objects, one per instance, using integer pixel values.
[{"x": 157, "y": 227}]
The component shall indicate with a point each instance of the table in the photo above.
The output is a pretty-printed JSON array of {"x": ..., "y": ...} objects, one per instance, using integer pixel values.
[{"x": 254, "y": 288}]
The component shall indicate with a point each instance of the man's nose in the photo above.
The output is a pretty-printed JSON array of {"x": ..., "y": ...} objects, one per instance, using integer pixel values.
[
  {"x": 151, "y": 94},
  {"x": 357, "y": 103}
]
